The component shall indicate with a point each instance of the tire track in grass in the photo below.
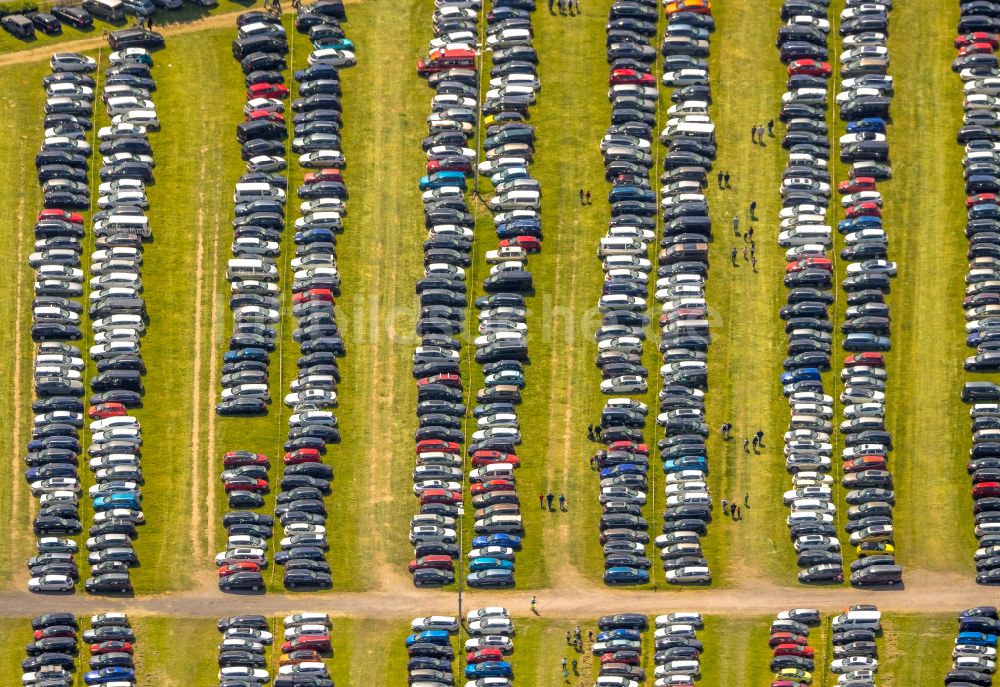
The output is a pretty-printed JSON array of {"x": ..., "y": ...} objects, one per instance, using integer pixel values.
[
  {"x": 18, "y": 533},
  {"x": 197, "y": 464},
  {"x": 211, "y": 384}
]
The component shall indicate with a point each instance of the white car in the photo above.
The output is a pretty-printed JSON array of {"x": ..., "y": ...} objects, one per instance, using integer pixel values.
[
  {"x": 624, "y": 384},
  {"x": 816, "y": 542},
  {"x": 252, "y": 555},
  {"x": 487, "y": 612},
  {"x": 72, "y": 62},
  {"x": 50, "y": 583},
  {"x": 689, "y": 575},
  {"x": 686, "y": 77},
  {"x": 852, "y": 663},
  {"x": 491, "y": 626},
  {"x": 332, "y": 56},
  {"x": 490, "y": 642},
  {"x": 435, "y": 622},
  {"x": 258, "y": 675}
]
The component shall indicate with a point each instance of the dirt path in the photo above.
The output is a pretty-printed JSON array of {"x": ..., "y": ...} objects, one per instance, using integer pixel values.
[
  {"x": 17, "y": 393},
  {"x": 924, "y": 593},
  {"x": 198, "y": 465}
]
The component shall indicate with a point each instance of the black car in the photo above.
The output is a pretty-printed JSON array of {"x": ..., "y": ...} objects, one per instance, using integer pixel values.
[
  {"x": 297, "y": 577},
  {"x": 109, "y": 583},
  {"x": 46, "y": 23},
  {"x": 74, "y": 16},
  {"x": 242, "y": 581},
  {"x": 135, "y": 38}
]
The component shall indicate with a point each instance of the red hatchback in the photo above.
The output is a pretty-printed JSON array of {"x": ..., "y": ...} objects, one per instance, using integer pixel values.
[
  {"x": 429, "y": 445},
  {"x": 984, "y": 489},
  {"x": 779, "y": 638},
  {"x": 809, "y": 263},
  {"x": 242, "y": 566},
  {"x": 857, "y": 184},
  {"x": 302, "y": 455},
  {"x": 99, "y": 412},
  {"x": 313, "y": 295},
  {"x": 447, "y": 379},
  {"x": 976, "y": 37},
  {"x": 440, "y": 496},
  {"x": 64, "y": 215},
  {"x": 865, "y": 463},
  {"x": 866, "y": 209},
  {"x": 267, "y": 90},
  {"x": 493, "y": 485},
  {"x": 975, "y": 49},
  {"x": 265, "y": 115},
  {"x": 630, "y": 658},
  {"x": 237, "y": 458},
  {"x": 483, "y": 655},
  {"x": 809, "y": 68},
  {"x": 111, "y": 646},
  {"x": 529, "y": 243},
  {"x": 981, "y": 198},
  {"x": 793, "y": 650},
  {"x": 326, "y": 174},
  {"x": 258, "y": 485},
  {"x": 452, "y": 165},
  {"x": 629, "y": 447},
  {"x": 868, "y": 358},
  {"x": 480, "y": 458},
  {"x": 437, "y": 562},
  {"x": 320, "y": 643},
  {"x": 631, "y": 76}
]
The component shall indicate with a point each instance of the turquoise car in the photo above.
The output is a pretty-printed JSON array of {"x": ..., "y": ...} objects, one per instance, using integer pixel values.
[
  {"x": 442, "y": 179},
  {"x": 334, "y": 43},
  {"x": 478, "y": 564},
  {"x": 120, "y": 500}
]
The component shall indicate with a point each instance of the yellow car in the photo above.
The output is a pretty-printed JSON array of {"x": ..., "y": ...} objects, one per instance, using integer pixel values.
[
  {"x": 872, "y": 548},
  {"x": 795, "y": 675},
  {"x": 698, "y": 6}
]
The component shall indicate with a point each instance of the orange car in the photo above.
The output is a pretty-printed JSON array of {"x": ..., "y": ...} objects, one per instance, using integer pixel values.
[
  {"x": 299, "y": 656},
  {"x": 699, "y": 6}
]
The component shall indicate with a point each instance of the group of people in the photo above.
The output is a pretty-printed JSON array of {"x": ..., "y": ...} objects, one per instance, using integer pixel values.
[
  {"x": 757, "y": 440},
  {"x": 749, "y": 250},
  {"x": 584, "y": 197},
  {"x": 733, "y": 509},
  {"x": 594, "y": 432},
  {"x": 141, "y": 22},
  {"x": 549, "y": 498},
  {"x": 564, "y": 6},
  {"x": 757, "y": 132}
]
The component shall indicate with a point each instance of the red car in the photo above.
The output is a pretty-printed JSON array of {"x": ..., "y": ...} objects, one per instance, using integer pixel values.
[
  {"x": 302, "y": 455},
  {"x": 788, "y": 683},
  {"x": 779, "y": 638},
  {"x": 630, "y": 658},
  {"x": 440, "y": 496},
  {"x": 429, "y": 445},
  {"x": 55, "y": 631},
  {"x": 809, "y": 263},
  {"x": 793, "y": 650},
  {"x": 64, "y": 215},
  {"x": 237, "y": 458},
  {"x": 451, "y": 165},
  {"x": 869, "y": 358},
  {"x": 441, "y": 60},
  {"x": 631, "y": 76},
  {"x": 438, "y": 562},
  {"x": 981, "y": 198},
  {"x": 865, "y": 463},
  {"x": 313, "y": 295},
  {"x": 629, "y": 447},
  {"x": 267, "y": 90},
  {"x": 265, "y": 115},
  {"x": 529, "y": 243},
  {"x": 976, "y": 49},
  {"x": 246, "y": 484},
  {"x": 480, "y": 458},
  {"x": 326, "y": 174},
  {"x": 857, "y": 184},
  {"x": 865, "y": 209},
  {"x": 483, "y": 655},
  {"x": 976, "y": 37},
  {"x": 984, "y": 489},
  {"x": 103, "y": 410},
  {"x": 451, "y": 379},
  {"x": 493, "y": 485},
  {"x": 809, "y": 68},
  {"x": 242, "y": 566},
  {"x": 111, "y": 646},
  {"x": 320, "y": 643}
]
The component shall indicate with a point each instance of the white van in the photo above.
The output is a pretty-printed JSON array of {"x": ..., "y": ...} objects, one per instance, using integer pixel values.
[
  {"x": 238, "y": 268},
  {"x": 858, "y": 620},
  {"x": 688, "y": 130},
  {"x": 516, "y": 200},
  {"x": 257, "y": 190},
  {"x": 620, "y": 245},
  {"x": 492, "y": 471}
]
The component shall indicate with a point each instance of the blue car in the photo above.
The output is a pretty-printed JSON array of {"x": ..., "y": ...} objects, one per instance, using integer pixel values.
[
  {"x": 432, "y": 636},
  {"x": 335, "y": 43},
  {"x": 976, "y": 638},
  {"x": 258, "y": 354},
  {"x": 520, "y": 227},
  {"x": 686, "y": 463},
  {"x": 442, "y": 179},
  {"x": 509, "y": 540},
  {"x": 626, "y": 575},
  {"x": 846, "y": 226},
  {"x": 121, "y": 500},
  {"x": 509, "y": 174},
  {"x": 111, "y": 674},
  {"x": 631, "y": 193},
  {"x": 623, "y": 469},
  {"x": 315, "y": 236},
  {"x": 51, "y": 470},
  {"x": 489, "y": 669},
  {"x": 493, "y": 577},
  {"x": 477, "y": 564},
  {"x": 874, "y": 124},
  {"x": 619, "y": 634},
  {"x": 800, "y": 375}
]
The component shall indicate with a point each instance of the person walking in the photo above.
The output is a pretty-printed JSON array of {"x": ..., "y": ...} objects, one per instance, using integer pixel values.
[
  {"x": 736, "y": 225},
  {"x": 550, "y": 497},
  {"x": 746, "y": 445},
  {"x": 725, "y": 504},
  {"x": 590, "y": 636},
  {"x": 562, "y": 6},
  {"x": 590, "y": 433},
  {"x": 753, "y": 250},
  {"x": 564, "y": 662},
  {"x": 598, "y": 430},
  {"x": 573, "y": 662},
  {"x": 541, "y": 500},
  {"x": 562, "y": 502},
  {"x": 578, "y": 11},
  {"x": 590, "y": 428},
  {"x": 732, "y": 510},
  {"x": 760, "y": 436},
  {"x": 749, "y": 234},
  {"x": 733, "y": 256},
  {"x": 760, "y": 134},
  {"x": 719, "y": 178},
  {"x": 753, "y": 209},
  {"x": 567, "y": 637},
  {"x": 581, "y": 196},
  {"x": 754, "y": 443},
  {"x": 739, "y": 513},
  {"x": 577, "y": 633},
  {"x": 753, "y": 133},
  {"x": 753, "y": 263},
  {"x": 534, "y": 602},
  {"x": 551, "y": 5},
  {"x": 746, "y": 500},
  {"x": 770, "y": 128},
  {"x": 725, "y": 178},
  {"x": 745, "y": 256},
  {"x": 149, "y": 22}
]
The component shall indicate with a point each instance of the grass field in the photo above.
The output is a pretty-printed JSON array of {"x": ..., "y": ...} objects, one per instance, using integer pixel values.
[
  {"x": 380, "y": 260},
  {"x": 914, "y": 651}
]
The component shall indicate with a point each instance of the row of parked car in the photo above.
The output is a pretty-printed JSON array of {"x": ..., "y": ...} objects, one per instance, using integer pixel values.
[
  {"x": 58, "y": 365},
  {"x": 976, "y": 64},
  {"x": 974, "y": 658},
  {"x": 243, "y": 652},
  {"x": 430, "y": 651},
  {"x": 52, "y": 654},
  {"x": 487, "y": 651},
  {"x": 792, "y": 659},
  {"x": 682, "y": 271},
  {"x": 619, "y": 345},
  {"x": 855, "y": 652}
]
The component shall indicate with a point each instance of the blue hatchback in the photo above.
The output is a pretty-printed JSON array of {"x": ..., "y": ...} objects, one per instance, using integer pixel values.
[
  {"x": 442, "y": 179},
  {"x": 625, "y": 575},
  {"x": 623, "y": 469},
  {"x": 258, "y": 354},
  {"x": 477, "y": 564},
  {"x": 686, "y": 463},
  {"x": 489, "y": 669},
  {"x": 800, "y": 375},
  {"x": 874, "y": 124},
  {"x": 431, "y": 636},
  {"x": 845, "y": 226},
  {"x": 619, "y": 634},
  {"x": 122, "y": 500},
  {"x": 519, "y": 227},
  {"x": 492, "y": 577},
  {"x": 510, "y": 540},
  {"x": 112, "y": 674},
  {"x": 976, "y": 638},
  {"x": 631, "y": 193}
]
